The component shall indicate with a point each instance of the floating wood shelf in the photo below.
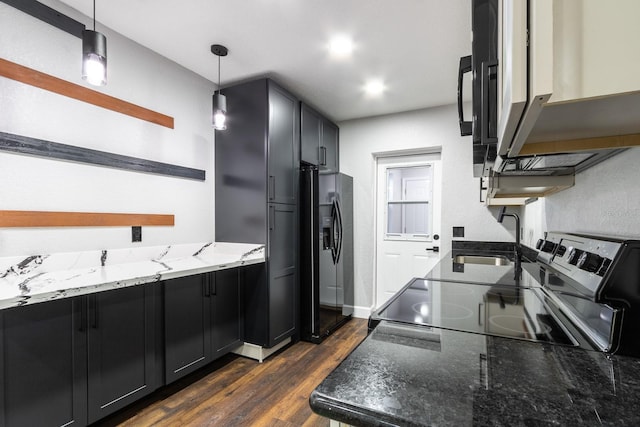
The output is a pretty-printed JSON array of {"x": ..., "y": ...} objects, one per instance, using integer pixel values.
[
  {"x": 80, "y": 219},
  {"x": 37, "y": 147},
  {"x": 44, "y": 81}
]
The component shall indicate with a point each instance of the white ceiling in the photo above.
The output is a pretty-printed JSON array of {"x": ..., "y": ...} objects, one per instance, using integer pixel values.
[{"x": 412, "y": 45}]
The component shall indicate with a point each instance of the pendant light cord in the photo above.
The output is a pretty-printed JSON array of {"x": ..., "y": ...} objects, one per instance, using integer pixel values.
[
  {"x": 218, "y": 71},
  {"x": 94, "y": 15}
]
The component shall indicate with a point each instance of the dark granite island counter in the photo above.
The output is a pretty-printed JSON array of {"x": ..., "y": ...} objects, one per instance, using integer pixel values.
[{"x": 417, "y": 376}]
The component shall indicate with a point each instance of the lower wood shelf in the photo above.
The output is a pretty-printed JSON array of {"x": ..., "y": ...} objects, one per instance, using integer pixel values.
[{"x": 80, "y": 219}]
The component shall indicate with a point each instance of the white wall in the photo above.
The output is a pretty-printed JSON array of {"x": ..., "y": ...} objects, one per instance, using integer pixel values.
[
  {"x": 135, "y": 74},
  {"x": 359, "y": 139},
  {"x": 605, "y": 200}
]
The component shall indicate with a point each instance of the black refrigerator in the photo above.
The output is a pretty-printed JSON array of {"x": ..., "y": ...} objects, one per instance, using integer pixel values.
[{"x": 326, "y": 239}]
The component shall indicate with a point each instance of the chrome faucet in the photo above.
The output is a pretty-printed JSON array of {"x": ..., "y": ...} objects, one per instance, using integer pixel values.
[
  {"x": 517, "y": 271},
  {"x": 501, "y": 214}
]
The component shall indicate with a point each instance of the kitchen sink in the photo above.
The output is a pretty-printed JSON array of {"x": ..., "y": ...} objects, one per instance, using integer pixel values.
[{"x": 481, "y": 259}]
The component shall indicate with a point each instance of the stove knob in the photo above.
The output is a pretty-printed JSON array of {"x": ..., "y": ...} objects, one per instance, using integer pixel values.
[
  {"x": 548, "y": 246},
  {"x": 539, "y": 243},
  {"x": 561, "y": 250},
  {"x": 574, "y": 254},
  {"x": 604, "y": 267},
  {"x": 589, "y": 262}
]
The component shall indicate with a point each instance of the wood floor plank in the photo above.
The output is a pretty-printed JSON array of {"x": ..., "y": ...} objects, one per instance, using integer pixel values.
[{"x": 236, "y": 391}]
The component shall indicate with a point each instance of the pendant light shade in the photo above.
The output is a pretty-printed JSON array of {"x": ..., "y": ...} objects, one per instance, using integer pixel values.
[
  {"x": 94, "y": 55},
  {"x": 219, "y": 100},
  {"x": 94, "y": 58},
  {"x": 219, "y": 111}
]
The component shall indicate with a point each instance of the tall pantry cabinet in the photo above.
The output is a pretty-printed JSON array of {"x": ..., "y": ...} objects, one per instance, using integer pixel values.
[{"x": 256, "y": 184}]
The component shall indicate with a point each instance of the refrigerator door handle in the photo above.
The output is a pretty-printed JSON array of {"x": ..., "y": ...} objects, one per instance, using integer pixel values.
[
  {"x": 340, "y": 230},
  {"x": 332, "y": 232}
]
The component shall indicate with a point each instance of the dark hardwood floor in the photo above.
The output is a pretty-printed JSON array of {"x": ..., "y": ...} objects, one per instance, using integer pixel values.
[{"x": 236, "y": 391}]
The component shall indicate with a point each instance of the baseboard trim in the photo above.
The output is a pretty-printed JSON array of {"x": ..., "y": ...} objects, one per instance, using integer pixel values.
[
  {"x": 257, "y": 352},
  {"x": 362, "y": 312}
]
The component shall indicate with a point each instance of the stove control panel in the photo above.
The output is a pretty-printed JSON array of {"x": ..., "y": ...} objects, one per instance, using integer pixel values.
[{"x": 584, "y": 259}]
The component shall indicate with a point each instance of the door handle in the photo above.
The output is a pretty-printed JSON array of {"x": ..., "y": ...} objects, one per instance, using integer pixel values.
[
  {"x": 463, "y": 68},
  {"x": 340, "y": 230},
  {"x": 434, "y": 249}
]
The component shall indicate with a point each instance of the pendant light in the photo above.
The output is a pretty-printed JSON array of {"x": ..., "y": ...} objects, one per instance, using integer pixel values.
[
  {"x": 219, "y": 100},
  {"x": 94, "y": 55}
]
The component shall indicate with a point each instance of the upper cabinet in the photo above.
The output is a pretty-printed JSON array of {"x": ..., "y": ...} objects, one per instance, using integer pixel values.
[
  {"x": 568, "y": 76},
  {"x": 319, "y": 140}
]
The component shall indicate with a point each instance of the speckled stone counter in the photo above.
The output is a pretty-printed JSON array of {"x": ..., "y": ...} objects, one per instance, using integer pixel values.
[
  {"x": 413, "y": 376},
  {"x": 523, "y": 272},
  {"x": 31, "y": 279}
]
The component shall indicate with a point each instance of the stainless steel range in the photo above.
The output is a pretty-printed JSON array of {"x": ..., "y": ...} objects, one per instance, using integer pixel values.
[{"x": 580, "y": 291}]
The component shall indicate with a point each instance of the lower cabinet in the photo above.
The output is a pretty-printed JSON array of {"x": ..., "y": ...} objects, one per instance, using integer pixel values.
[
  {"x": 43, "y": 363},
  {"x": 121, "y": 348},
  {"x": 203, "y": 320},
  {"x": 76, "y": 360}
]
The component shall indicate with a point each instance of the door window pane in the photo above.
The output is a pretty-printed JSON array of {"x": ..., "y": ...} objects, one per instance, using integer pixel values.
[{"x": 409, "y": 202}]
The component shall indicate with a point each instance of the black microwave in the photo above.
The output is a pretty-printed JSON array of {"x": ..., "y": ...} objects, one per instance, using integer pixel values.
[{"x": 483, "y": 64}]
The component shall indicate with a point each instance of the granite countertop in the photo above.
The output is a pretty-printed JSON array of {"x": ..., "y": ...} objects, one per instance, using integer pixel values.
[
  {"x": 410, "y": 376},
  {"x": 30, "y": 279},
  {"x": 449, "y": 270}
]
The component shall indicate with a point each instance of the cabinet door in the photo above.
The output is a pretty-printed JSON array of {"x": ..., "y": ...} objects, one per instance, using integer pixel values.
[
  {"x": 329, "y": 147},
  {"x": 282, "y": 272},
  {"x": 187, "y": 319},
  {"x": 283, "y": 146},
  {"x": 227, "y": 328},
  {"x": 121, "y": 359},
  {"x": 310, "y": 131},
  {"x": 43, "y": 365}
]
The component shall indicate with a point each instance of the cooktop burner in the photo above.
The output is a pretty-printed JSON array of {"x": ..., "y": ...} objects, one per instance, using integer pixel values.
[{"x": 506, "y": 311}]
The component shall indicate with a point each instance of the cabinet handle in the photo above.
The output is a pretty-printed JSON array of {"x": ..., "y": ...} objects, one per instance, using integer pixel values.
[
  {"x": 485, "y": 117},
  {"x": 206, "y": 290},
  {"x": 272, "y": 187},
  {"x": 212, "y": 283},
  {"x": 463, "y": 68},
  {"x": 93, "y": 308},
  {"x": 323, "y": 156},
  {"x": 480, "y": 314},
  {"x": 83, "y": 314},
  {"x": 272, "y": 219}
]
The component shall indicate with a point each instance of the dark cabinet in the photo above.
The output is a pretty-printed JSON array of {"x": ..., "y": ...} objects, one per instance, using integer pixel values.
[
  {"x": 282, "y": 146},
  {"x": 186, "y": 325},
  {"x": 121, "y": 348},
  {"x": 43, "y": 365},
  {"x": 203, "y": 320},
  {"x": 76, "y": 360},
  {"x": 227, "y": 331},
  {"x": 319, "y": 140},
  {"x": 257, "y": 169}
]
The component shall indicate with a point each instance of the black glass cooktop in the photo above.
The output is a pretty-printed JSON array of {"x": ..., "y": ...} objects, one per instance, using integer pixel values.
[{"x": 506, "y": 311}]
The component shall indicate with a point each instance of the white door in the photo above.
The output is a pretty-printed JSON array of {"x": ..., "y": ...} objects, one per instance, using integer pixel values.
[{"x": 408, "y": 200}]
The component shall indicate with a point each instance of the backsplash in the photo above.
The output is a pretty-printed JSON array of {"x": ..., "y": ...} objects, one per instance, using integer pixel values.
[{"x": 605, "y": 200}]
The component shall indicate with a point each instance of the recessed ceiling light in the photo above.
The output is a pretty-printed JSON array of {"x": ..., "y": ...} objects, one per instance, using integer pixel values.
[
  {"x": 341, "y": 46},
  {"x": 374, "y": 87}
]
